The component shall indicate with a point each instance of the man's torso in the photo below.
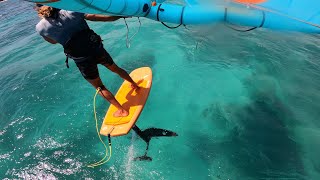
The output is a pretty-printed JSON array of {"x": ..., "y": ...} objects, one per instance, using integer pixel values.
[{"x": 62, "y": 28}]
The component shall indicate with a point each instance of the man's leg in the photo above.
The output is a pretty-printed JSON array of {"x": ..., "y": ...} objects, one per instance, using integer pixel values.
[
  {"x": 109, "y": 97},
  {"x": 89, "y": 70},
  {"x": 105, "y": 59},
  {"x": 122, "y": 73}
]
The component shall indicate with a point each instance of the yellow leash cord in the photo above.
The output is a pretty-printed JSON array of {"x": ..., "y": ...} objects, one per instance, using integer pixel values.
[{"x": 102, "y": 161}]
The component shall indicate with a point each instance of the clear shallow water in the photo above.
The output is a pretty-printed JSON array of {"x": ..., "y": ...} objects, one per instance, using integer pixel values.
[{"x": 245, "y": 105}]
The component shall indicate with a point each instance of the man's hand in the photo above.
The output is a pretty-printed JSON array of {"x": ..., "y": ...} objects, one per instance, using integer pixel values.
[
  {"x": 49, "y": 40},
  {"x": 98, "y": 17}
]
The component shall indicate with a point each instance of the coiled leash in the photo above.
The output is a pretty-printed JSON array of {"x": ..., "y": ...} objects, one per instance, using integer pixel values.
[{"x": 102, "y": 161}]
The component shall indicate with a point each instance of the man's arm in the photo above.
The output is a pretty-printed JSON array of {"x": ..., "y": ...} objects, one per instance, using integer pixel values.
[
  {"x": 98, "y": 17},
  {"x": 49, "y": 40}
]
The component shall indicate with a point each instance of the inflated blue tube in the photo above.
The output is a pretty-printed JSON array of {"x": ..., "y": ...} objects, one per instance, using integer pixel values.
[
  {"x": 188, "y": 15},
  {"x": 137, "y": 8},
  {"x": 201, "y": 15}
]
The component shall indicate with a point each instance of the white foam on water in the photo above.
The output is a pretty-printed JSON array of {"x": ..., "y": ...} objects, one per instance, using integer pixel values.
[{"x": 129, "y": 158}]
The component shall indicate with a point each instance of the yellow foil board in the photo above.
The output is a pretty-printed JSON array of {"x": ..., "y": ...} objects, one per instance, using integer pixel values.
[{"x": 131, "y": 100}]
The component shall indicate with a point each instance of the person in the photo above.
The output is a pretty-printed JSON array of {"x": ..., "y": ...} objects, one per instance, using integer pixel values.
[{"x": 83, "y": 45}]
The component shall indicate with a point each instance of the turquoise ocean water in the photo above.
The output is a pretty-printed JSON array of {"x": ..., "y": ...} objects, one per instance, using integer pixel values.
[{"x": 244, "y": 105}]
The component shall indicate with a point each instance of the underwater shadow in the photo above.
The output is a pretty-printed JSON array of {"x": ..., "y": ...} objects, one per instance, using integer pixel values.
[
  {"x": 259, "y": 146},
  {"x": 147, "y": 134},
  {"x": 145, "y": 59}
]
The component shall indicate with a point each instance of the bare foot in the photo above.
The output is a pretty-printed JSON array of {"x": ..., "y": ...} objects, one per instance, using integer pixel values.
[
  {"x": 120, "y": 113},
  {"x": 134, "y": 86}
]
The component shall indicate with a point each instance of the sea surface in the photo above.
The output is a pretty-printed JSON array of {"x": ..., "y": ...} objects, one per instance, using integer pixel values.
[{"x": 244, "y": 105}]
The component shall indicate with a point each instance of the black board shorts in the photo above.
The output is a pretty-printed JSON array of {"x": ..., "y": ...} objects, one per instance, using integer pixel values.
[{"x": 88, "y": 66}]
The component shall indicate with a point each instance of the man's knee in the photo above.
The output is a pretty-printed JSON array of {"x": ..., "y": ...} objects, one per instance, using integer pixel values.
[{"x": 96, "y": 83}]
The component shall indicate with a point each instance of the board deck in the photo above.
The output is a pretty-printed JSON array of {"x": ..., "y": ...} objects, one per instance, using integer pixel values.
[{"x": 131, "y": 100}]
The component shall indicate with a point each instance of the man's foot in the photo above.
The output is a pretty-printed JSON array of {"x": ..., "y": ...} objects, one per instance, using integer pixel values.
[
  {"x": 120, "y": 113},
  {"x": 134, "y": 86}
]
